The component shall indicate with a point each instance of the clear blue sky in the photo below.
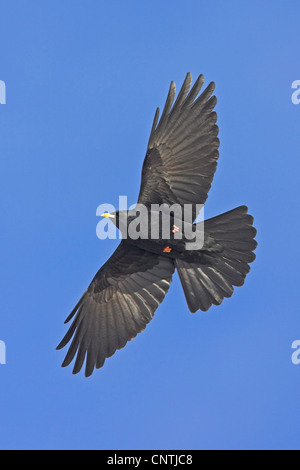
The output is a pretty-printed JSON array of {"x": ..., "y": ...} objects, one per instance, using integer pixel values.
[{"x": 83, "y": 80}]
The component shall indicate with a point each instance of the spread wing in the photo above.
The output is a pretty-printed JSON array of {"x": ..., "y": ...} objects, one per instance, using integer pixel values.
[
  {"x": 117, "y": 305},
  {"x": 182, "y": 152}
]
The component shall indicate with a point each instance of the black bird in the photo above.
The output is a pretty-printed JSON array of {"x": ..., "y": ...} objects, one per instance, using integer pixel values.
[{"x": 179, "y": 166}]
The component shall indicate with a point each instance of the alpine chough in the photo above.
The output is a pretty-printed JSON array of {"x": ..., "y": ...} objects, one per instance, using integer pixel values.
[{"x": 179, "y": 166}]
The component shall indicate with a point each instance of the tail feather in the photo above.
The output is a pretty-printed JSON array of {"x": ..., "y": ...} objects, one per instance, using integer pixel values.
[{"x": 211, "y": 278}]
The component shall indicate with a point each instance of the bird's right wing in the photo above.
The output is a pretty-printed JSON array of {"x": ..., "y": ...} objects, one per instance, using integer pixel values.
[
  {"x": 117, "y": 305},
  {"x": 182, "y": 152}
]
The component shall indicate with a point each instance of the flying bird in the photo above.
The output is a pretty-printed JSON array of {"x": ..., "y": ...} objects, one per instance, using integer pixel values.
[{"x": 178, "y": 168}]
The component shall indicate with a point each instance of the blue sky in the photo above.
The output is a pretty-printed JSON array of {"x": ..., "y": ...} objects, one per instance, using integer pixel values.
[{"x": 83, "y": 80}]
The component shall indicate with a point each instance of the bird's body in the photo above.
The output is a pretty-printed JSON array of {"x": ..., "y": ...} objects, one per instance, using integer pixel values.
[
  {"x": 177, "y": 172},
  {"x": 156, "y": 231}
]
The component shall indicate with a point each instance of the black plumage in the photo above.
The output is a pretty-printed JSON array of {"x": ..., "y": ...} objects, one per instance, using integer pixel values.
[{"x": 179, "y": 166}]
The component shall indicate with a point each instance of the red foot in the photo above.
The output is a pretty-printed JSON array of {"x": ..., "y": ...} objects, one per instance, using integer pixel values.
[{"x": 167, "y": 249}]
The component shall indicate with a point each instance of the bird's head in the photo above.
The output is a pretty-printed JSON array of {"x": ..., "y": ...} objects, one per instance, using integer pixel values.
[
  {"x": 123, "y": 219},
  {"x": 118, "y": 218},
  {"x": 109, "y": 215},
  {"x": 112, "y": 216}
]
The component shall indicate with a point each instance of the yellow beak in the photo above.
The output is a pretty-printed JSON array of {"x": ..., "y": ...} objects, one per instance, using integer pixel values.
[{"x": 106, "y": 214}]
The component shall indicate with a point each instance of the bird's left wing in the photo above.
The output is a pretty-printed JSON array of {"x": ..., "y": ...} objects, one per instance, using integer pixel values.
[
  {"x": 183, "y": 147},
  {"x": 117, "y": 305}
]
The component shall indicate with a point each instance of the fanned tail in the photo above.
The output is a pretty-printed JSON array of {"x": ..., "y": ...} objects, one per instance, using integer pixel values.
[{"x": 208, "y": 281}]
